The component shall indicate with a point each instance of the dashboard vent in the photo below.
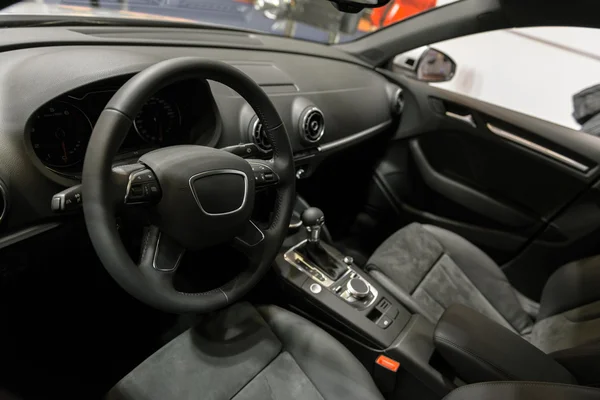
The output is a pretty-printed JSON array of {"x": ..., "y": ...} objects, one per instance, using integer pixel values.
[
  {"x": 312, "y": 125},
  {"x": 398, "y": 102},
  {"x": 259, "y": 137},
  {"x": 3, "y": 201}
]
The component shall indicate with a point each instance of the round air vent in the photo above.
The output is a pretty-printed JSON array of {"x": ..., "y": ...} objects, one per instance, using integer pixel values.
[
  {"x": 312, "y": 125},
  {"x": 3, "y": 200},
  {"x": 398, "y": 102},
  {"x": 258, "y": 136}
]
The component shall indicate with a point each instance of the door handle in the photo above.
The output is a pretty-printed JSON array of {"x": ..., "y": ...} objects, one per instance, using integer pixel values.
[{"x": 467, "y": 119}]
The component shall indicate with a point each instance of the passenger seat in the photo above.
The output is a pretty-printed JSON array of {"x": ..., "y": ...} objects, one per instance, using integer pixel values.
[{"x": 429, "y": 269}]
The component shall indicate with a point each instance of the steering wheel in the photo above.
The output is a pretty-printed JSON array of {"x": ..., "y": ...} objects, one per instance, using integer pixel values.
[{"x": 197, "y": 196}]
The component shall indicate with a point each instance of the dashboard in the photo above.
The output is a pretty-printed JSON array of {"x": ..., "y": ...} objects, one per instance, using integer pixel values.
[
  {"x": 182, "y": 113},
  {"x": 52, "y": 95}
]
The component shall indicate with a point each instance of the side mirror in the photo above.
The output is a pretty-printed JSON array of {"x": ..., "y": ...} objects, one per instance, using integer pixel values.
[
  {"x": 425, "y": 64},
  {"x": 355, "y": 6}
]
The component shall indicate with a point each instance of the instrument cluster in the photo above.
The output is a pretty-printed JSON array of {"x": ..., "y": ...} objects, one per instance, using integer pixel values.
[{"x": 61, "y": 129}]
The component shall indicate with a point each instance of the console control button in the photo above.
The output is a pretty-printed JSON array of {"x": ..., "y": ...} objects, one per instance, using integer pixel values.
[
  {"x": 358, "y": 288},
  {"x": 315, "y": 288},
  {"x": 384, "y": 322}
]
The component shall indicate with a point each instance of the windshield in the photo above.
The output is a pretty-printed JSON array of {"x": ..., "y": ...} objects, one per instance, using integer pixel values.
[{"x": 314, "y": 20}]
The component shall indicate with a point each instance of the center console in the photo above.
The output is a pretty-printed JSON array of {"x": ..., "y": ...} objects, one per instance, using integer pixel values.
[{"x": 327, "y": 287}]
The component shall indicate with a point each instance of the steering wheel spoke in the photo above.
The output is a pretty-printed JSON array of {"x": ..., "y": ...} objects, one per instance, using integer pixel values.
[
  {"x": 161, "y": 256},
  {"x": 250, "y": 241}
]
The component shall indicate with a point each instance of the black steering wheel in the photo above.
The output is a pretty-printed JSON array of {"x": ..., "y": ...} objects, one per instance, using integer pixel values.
[{"x": 197, "y": 196}]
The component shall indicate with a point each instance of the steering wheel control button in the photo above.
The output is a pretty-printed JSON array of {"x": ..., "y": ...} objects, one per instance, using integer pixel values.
[
  {"x": 144, "y": 175},
  {"x": 357, "y": 288},
  {"x": 316, "y": 288},
  {"x": 263, "y": 175},
  {"x": 142, "y": 188}
]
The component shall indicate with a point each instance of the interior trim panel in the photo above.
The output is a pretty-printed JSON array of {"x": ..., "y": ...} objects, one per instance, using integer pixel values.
[
  {"x": 536, "y": 147},
  {"x": 463, "y": 194}
]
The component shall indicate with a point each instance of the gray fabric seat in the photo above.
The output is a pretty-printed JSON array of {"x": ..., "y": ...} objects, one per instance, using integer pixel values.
[
  {"x": 245, "y": 353},
  {"x": 436, "y": 268}
]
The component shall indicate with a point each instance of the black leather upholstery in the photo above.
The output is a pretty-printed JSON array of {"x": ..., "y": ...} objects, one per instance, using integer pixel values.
[
  {"x": 571, "y": 286},
  {"x": 245, "y": 353},
  {"x": 583, "y": 362},
  {"x": 480, "y": 350},
  {"x": 523, "y": 391}
]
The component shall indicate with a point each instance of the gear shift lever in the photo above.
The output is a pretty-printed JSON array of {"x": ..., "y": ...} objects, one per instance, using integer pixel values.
[{"x": 313, "y": 220}]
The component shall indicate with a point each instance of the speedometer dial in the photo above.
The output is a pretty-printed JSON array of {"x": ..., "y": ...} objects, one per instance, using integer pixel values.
[
  {"x": 60, "y": 134},
  {"x": 157, "y": 120}
]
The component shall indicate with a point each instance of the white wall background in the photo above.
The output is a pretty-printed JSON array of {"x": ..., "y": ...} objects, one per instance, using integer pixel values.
[{"x": 535, "y": 71}]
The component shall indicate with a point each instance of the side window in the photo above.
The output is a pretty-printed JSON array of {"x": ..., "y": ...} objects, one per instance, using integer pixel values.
[{"x": 552, "y": 73}]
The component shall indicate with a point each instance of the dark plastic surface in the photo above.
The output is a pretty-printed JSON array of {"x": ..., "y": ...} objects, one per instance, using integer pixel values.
[
  {"x": 178, "y": 211},
  {"x": 340, "y": 311},
  {"x": 219, "y": 194},
  {"x": 507, "y": 196},
  {"x": 414, "y": 350},
  {"x": 313, "y": 216},
  {"x": 465, "y": 195},
  {"x": 351, "y": 97}
]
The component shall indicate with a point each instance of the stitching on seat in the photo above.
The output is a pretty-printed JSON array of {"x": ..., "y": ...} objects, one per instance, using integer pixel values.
[
  {"x": 477, "y": 287},
  {"x": 498, "y": 369},
  {"x": 429, "y": 271}
]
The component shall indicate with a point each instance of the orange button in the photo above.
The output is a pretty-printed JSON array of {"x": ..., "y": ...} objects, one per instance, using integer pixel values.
[{"x": 388, "y": 363}]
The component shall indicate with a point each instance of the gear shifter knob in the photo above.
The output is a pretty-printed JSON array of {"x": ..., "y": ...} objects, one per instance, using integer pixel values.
[{"x": 313, "y": 219}]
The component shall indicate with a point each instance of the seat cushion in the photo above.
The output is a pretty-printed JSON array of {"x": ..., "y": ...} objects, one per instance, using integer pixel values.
[
  {"x": 571, "y": 286},
  {"x": 245, "y": 353},
  {"x": 569, "y": 329},
  {"x": 523, "y": 391},
  {"x": 439, "y": 268}
]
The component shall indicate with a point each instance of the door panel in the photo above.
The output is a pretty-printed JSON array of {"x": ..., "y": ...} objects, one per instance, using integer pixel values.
[
  {"x": 463, "y": 182},
  {"x": 518, "y": 187}
]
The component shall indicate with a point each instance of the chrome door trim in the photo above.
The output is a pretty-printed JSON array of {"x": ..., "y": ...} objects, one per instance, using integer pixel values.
[
  {"x": 467, "y": 119},
  {"x": 537, "y": 148}
]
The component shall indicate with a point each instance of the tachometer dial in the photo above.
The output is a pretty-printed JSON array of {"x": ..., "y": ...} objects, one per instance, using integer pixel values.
[
  {"x": 60, "y": 134},
  {"x": 157, "y": 120}
]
